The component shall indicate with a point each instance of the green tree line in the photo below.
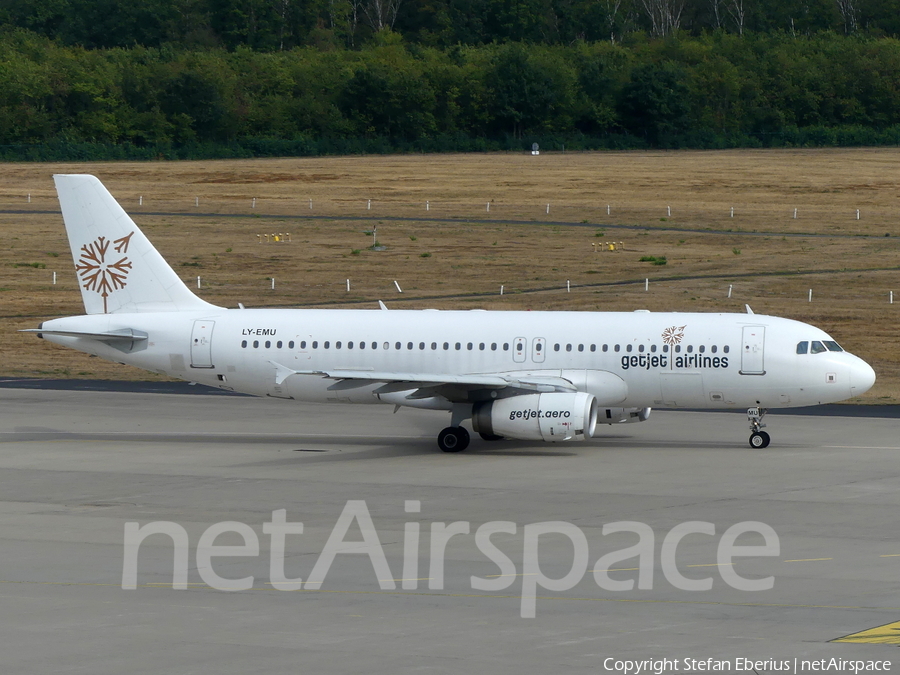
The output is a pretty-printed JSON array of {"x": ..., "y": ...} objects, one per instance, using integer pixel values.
[
  {"x": 277, "y": 25},
  {"x": 719, "y": 89}
]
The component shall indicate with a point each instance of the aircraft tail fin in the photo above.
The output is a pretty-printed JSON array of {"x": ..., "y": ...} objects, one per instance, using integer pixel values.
[{"x": 118, "y": 268}]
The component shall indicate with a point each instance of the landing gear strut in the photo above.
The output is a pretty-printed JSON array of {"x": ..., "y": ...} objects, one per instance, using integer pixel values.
[
  {"x": 758, "y": 439},
  {"x": 453, "y": 439}
]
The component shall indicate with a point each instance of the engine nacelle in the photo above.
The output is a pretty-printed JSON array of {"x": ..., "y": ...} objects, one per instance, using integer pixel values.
[
  {"x": 622, "y": 415},
  {"x": 538, "y": 417}
]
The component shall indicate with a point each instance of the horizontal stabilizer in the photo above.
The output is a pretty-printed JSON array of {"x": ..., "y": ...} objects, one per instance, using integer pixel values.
[{"x": 122, "y": 335}]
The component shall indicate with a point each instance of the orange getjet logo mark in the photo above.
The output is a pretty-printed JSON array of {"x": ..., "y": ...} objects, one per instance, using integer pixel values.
[{"x": 102, "y": 276}]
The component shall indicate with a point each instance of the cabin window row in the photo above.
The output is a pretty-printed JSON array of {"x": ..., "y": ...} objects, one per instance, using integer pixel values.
[
  {"x": 640, "y": 348},
  {"x": 494, "y": 346},
  {"x": 422, "y": 346}
]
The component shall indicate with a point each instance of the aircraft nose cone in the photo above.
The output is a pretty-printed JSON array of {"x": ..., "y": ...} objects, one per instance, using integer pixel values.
[{"x": 862, "y": 377}]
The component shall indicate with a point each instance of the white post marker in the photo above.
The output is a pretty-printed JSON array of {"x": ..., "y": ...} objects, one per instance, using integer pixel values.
[
  {"x": 348, "y": 285},
  {"x": 646, "y": 284},
  {"x": 399, "y": 290},
  {"x": 810, "y": 295},
  {"x": 141, "y": 200},
  {"x": 310, "y": 203},
  {"x": 729, "y": 289},
  {"x": 501, "y": 292},
  {"x": 795, "y": 213},
  {"x": 488, "y": 207},
  {"x": 892, "y": 292},
  {"x": 198, "y": 282},
  {"x": 857, "y": 214},
  {"x": 428, "y": 206},
  {"x": 196, "y": 201},
  {"x": 568, "y": 286},
  {"x": 607, "y": 209},
  {"x": 273, "y": 283},
  {"x": 369, "y": 205},
  {"x": 548, "y": 208},
  {"x": 732, "y": 212},
  {"x": 54, "y": 283},
  {"x": 669, "y": 211},
  {"x": 253, "y": 203},
  {"x": 29, "y": 197}
]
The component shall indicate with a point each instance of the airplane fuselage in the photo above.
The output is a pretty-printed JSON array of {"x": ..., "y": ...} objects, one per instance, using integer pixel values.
[{"x": 664, "y": 360}]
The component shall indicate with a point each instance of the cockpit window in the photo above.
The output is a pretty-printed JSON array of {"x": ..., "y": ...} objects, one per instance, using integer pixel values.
[
  {"x": 832, "y": 346},
  {"x": 817, "y": 347},
  {"x": 803, "y": 347}
]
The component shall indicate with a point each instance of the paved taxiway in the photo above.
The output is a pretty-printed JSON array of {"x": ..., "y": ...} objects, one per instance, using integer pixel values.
[{"x": 76, "y": 466}]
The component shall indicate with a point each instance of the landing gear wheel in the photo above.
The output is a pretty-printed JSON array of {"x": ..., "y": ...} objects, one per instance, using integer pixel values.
[
  {"x": 759, "y": 439},
  {"x": 490, "y": 437},
  {"x": 453, "y": 439}
]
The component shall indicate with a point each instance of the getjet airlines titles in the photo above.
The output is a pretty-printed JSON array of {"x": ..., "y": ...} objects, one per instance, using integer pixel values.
[{"x": 549, "y": 376}]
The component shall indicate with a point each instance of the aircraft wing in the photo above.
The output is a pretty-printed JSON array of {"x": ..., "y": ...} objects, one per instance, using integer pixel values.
[{"x": 397, "y": 381}]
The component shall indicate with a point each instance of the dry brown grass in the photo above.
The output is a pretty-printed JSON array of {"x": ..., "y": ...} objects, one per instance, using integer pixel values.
[{"x": 850, "y": 264}]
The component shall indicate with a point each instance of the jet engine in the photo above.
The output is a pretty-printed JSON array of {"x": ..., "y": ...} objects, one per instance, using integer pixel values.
[{"x": 538, "y": 417}]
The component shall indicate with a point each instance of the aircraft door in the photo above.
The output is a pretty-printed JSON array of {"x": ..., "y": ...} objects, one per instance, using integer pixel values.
[
  {"x": 752, "y": 355},
  {"x": 519, "y": 350},
  {"x": 201, "y": 344},
  {"x": 538, "y": 347}
]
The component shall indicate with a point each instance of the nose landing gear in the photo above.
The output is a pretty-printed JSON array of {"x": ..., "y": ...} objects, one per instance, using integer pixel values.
[{"x": 758, "y": 439}]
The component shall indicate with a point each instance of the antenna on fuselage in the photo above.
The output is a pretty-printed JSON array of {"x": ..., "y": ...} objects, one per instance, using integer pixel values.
[
  {"x": 382, "y": 305},
  {"x": 749, "y": 311}
]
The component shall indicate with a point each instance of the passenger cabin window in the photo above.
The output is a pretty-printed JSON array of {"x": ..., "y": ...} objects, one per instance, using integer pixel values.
[
  {"x": 244, "y": 344},
  {"x": 256, "y": 344},
  {"x": 627, "y": 348},
  {"x": 315, "y": 344},
  {"x": 269, "y": 344},
  {"x": 593, "y": 348},
  {"x": 817, "y": 347},
  {"x": 494, "y": 346},
  {"x": 446, "y": 346},
  {"x": 803, "y": 347},
  {"x": 556, "y": 347},
  {"x": 291, "y": 344},
  {"x": 640, "y": 348},
  {"x": 725, "y": 349},
  {"x": 506, "y": 346},
  {"x": 350, "y": 345},
  {"x": 326, "y": 344}
]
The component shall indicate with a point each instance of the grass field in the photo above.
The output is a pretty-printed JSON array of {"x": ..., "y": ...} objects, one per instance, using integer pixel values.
[{"x": 458, "y": 252}]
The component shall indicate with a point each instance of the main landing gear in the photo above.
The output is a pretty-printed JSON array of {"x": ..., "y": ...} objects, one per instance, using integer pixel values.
[
  {"x": 758, "y": 439},
  {"x": 453, "y": 439}
]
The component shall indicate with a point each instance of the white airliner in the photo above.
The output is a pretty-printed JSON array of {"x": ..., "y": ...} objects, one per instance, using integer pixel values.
[{"x": 551, "y": 376}]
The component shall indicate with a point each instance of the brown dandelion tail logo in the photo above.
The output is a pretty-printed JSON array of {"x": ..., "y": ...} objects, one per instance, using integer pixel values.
[
  {"x": 99, "y": 274},
  {"x": 673, "y": 336}
]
